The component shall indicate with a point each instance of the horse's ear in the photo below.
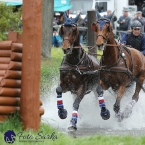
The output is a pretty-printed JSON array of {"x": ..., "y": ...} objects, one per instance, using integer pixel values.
[
  {"x": 61, "y": 33},
  {"x": 94, "y": 28}
]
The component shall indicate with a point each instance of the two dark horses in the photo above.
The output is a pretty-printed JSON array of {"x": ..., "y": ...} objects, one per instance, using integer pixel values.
[{"x": 78, "y": 73}]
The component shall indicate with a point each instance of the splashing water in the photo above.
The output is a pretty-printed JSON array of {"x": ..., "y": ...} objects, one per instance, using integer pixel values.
[{"x": 90, "y": 121}]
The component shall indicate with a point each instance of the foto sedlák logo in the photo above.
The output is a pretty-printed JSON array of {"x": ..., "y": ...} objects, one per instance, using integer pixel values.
[{"x": 9, "y": 137}]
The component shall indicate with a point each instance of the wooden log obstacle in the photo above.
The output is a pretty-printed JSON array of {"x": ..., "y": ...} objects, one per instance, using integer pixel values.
[{"x": 10, "y": 79}]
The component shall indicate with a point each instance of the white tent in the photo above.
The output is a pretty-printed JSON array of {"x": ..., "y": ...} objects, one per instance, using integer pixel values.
[{"x": 12, "y": 2}]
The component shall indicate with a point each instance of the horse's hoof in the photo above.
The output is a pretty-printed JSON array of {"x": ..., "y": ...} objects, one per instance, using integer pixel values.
[
  {"x": 105, "y": 114},
  {"x": 62, "y": 113},
  {"x": 72, "y": 128},
  {"x": 127, "y": 112},
  {"x": 116, "y": 109},
  {"x": 119, "y": 116}
]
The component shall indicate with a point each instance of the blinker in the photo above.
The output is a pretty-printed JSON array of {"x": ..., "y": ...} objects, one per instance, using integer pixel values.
[{"x": 102, "y": 22}]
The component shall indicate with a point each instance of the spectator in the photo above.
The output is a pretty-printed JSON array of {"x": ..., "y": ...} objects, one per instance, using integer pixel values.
[
  {"x": 136, "y": 39},
  {"x": 56, "y": 39},
  {"x": 112, "y": 17},
  {"x": 140, "y": 19},
  {"x": 124, "y": 22},
  {"x": 139, "y": 6},
  {"x": 60, "y": 19}
]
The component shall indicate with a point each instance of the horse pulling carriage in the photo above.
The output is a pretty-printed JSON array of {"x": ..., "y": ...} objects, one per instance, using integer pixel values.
[
  {"x": 78, "y": 73},
  {"x": 81, "y": 73},
  {"x": 119, "y": 66}
]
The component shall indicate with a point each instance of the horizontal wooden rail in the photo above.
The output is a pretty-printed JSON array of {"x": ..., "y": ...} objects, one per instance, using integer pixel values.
[
  {"x": 5, "y": 110},
  {"x": 5, "y": 45},
  {"x": 15, "y": 65},
  {"x": 2, "y": 72},
  {"x": 10, "y": 83},
  {"x": 1, "y": 78},
  {"x": 4, "y": 66},
  {"x": 16, "y": 47},
  {"x": 14, "y": 92},
  {"x": 41, "y": 111},
  {"x": 11, "y": 74},
  {"x": 9, "y": 101},
  {"x": 4, "y": 60},
  {"x": 16, "y": 56},
  {"x": 5, "y": 53}
]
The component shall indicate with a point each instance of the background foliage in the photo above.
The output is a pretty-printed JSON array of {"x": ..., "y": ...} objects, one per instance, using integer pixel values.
[{"x": 9, "y": 20}]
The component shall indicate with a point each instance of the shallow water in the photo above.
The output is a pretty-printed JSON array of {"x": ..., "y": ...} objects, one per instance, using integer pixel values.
[{"x": 90, "y": 121}]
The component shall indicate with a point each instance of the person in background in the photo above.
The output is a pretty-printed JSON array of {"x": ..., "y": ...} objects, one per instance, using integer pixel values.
[
  {"x": 139, "y": 6},
  {"x": 61, "y": 19},
  {"x": 140, "y": 19},
  {"x": 56, "y": 39},
  {"x": 135, "y": 39},
  {"x": 112, "y": 17},
  {"x": 124, "y": 22}
]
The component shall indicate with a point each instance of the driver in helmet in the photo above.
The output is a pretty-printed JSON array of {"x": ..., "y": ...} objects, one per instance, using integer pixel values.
[{"x": 135, "y": 38}]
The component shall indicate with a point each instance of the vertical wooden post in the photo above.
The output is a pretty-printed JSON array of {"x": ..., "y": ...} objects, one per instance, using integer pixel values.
[
  {"x": 91, "y": 34},
  {"x": 30, "y": 89}
]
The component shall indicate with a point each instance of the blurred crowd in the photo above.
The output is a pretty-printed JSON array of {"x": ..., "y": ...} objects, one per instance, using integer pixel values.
[{"x": 122, "y": 24}]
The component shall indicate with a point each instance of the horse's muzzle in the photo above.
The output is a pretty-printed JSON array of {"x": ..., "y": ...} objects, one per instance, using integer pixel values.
[
  {"x": 100, "y": 46},
  {"x": 67, "y": 50}
]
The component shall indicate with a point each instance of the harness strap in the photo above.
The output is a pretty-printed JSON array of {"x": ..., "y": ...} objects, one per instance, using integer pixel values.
[{"x": 64, "y": 67}]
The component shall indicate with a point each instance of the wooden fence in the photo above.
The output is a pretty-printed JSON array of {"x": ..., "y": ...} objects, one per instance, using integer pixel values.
[{"x": 10, "y": 78}]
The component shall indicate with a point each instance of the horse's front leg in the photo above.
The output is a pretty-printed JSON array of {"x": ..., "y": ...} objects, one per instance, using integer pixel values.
[
  {"x": 73, "y": 121},
  {"x": 62, "y": 113},
  {"x": 116, "y": 108},
  {"x": 128, "y": 109},
  {"x": 105, "y": 113}
]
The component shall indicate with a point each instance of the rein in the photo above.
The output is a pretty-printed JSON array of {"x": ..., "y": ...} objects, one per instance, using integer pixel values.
[
  {"x": 114, "y": 68},
  {"x": 71, "y": 43},
  {"x": 80, "y": 68}
]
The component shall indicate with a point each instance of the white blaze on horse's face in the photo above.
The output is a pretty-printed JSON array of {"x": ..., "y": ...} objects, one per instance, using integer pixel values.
[
  {"x": 68, "y": 34},
  {"x": 102, "y": 30}
]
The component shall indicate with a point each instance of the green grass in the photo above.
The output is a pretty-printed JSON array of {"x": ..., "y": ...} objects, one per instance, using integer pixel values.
[
  {"x": 50, "y": 69},
  {"x": 49, "y": 136}
]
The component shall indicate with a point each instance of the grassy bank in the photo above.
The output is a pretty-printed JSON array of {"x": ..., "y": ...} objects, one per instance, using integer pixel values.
[
  {"x": 49, "y": 136},
  {"x": 50, "y": 69}
]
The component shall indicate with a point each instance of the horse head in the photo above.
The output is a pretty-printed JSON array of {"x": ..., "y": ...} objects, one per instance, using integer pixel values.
[
  {"x": 103, "y": 29},
  {"x": 69, "y": 33}
]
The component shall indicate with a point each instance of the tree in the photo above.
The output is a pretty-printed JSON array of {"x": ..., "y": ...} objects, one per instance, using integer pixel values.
[
  {"x": 9, "y": 20},
  {"x": 47, "y": 25}
]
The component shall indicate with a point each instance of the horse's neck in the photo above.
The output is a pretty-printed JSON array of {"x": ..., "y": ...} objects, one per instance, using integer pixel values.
[{"x": 110, "y": 54}]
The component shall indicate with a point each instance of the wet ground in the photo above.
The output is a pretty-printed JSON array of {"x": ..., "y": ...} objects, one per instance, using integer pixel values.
[{"x": 90, "y": 121}]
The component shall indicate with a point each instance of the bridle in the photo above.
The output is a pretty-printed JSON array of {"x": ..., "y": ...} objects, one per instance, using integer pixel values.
[
  {"x": 101, "y": 27},
  {"x": 67, "y": 38}
]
